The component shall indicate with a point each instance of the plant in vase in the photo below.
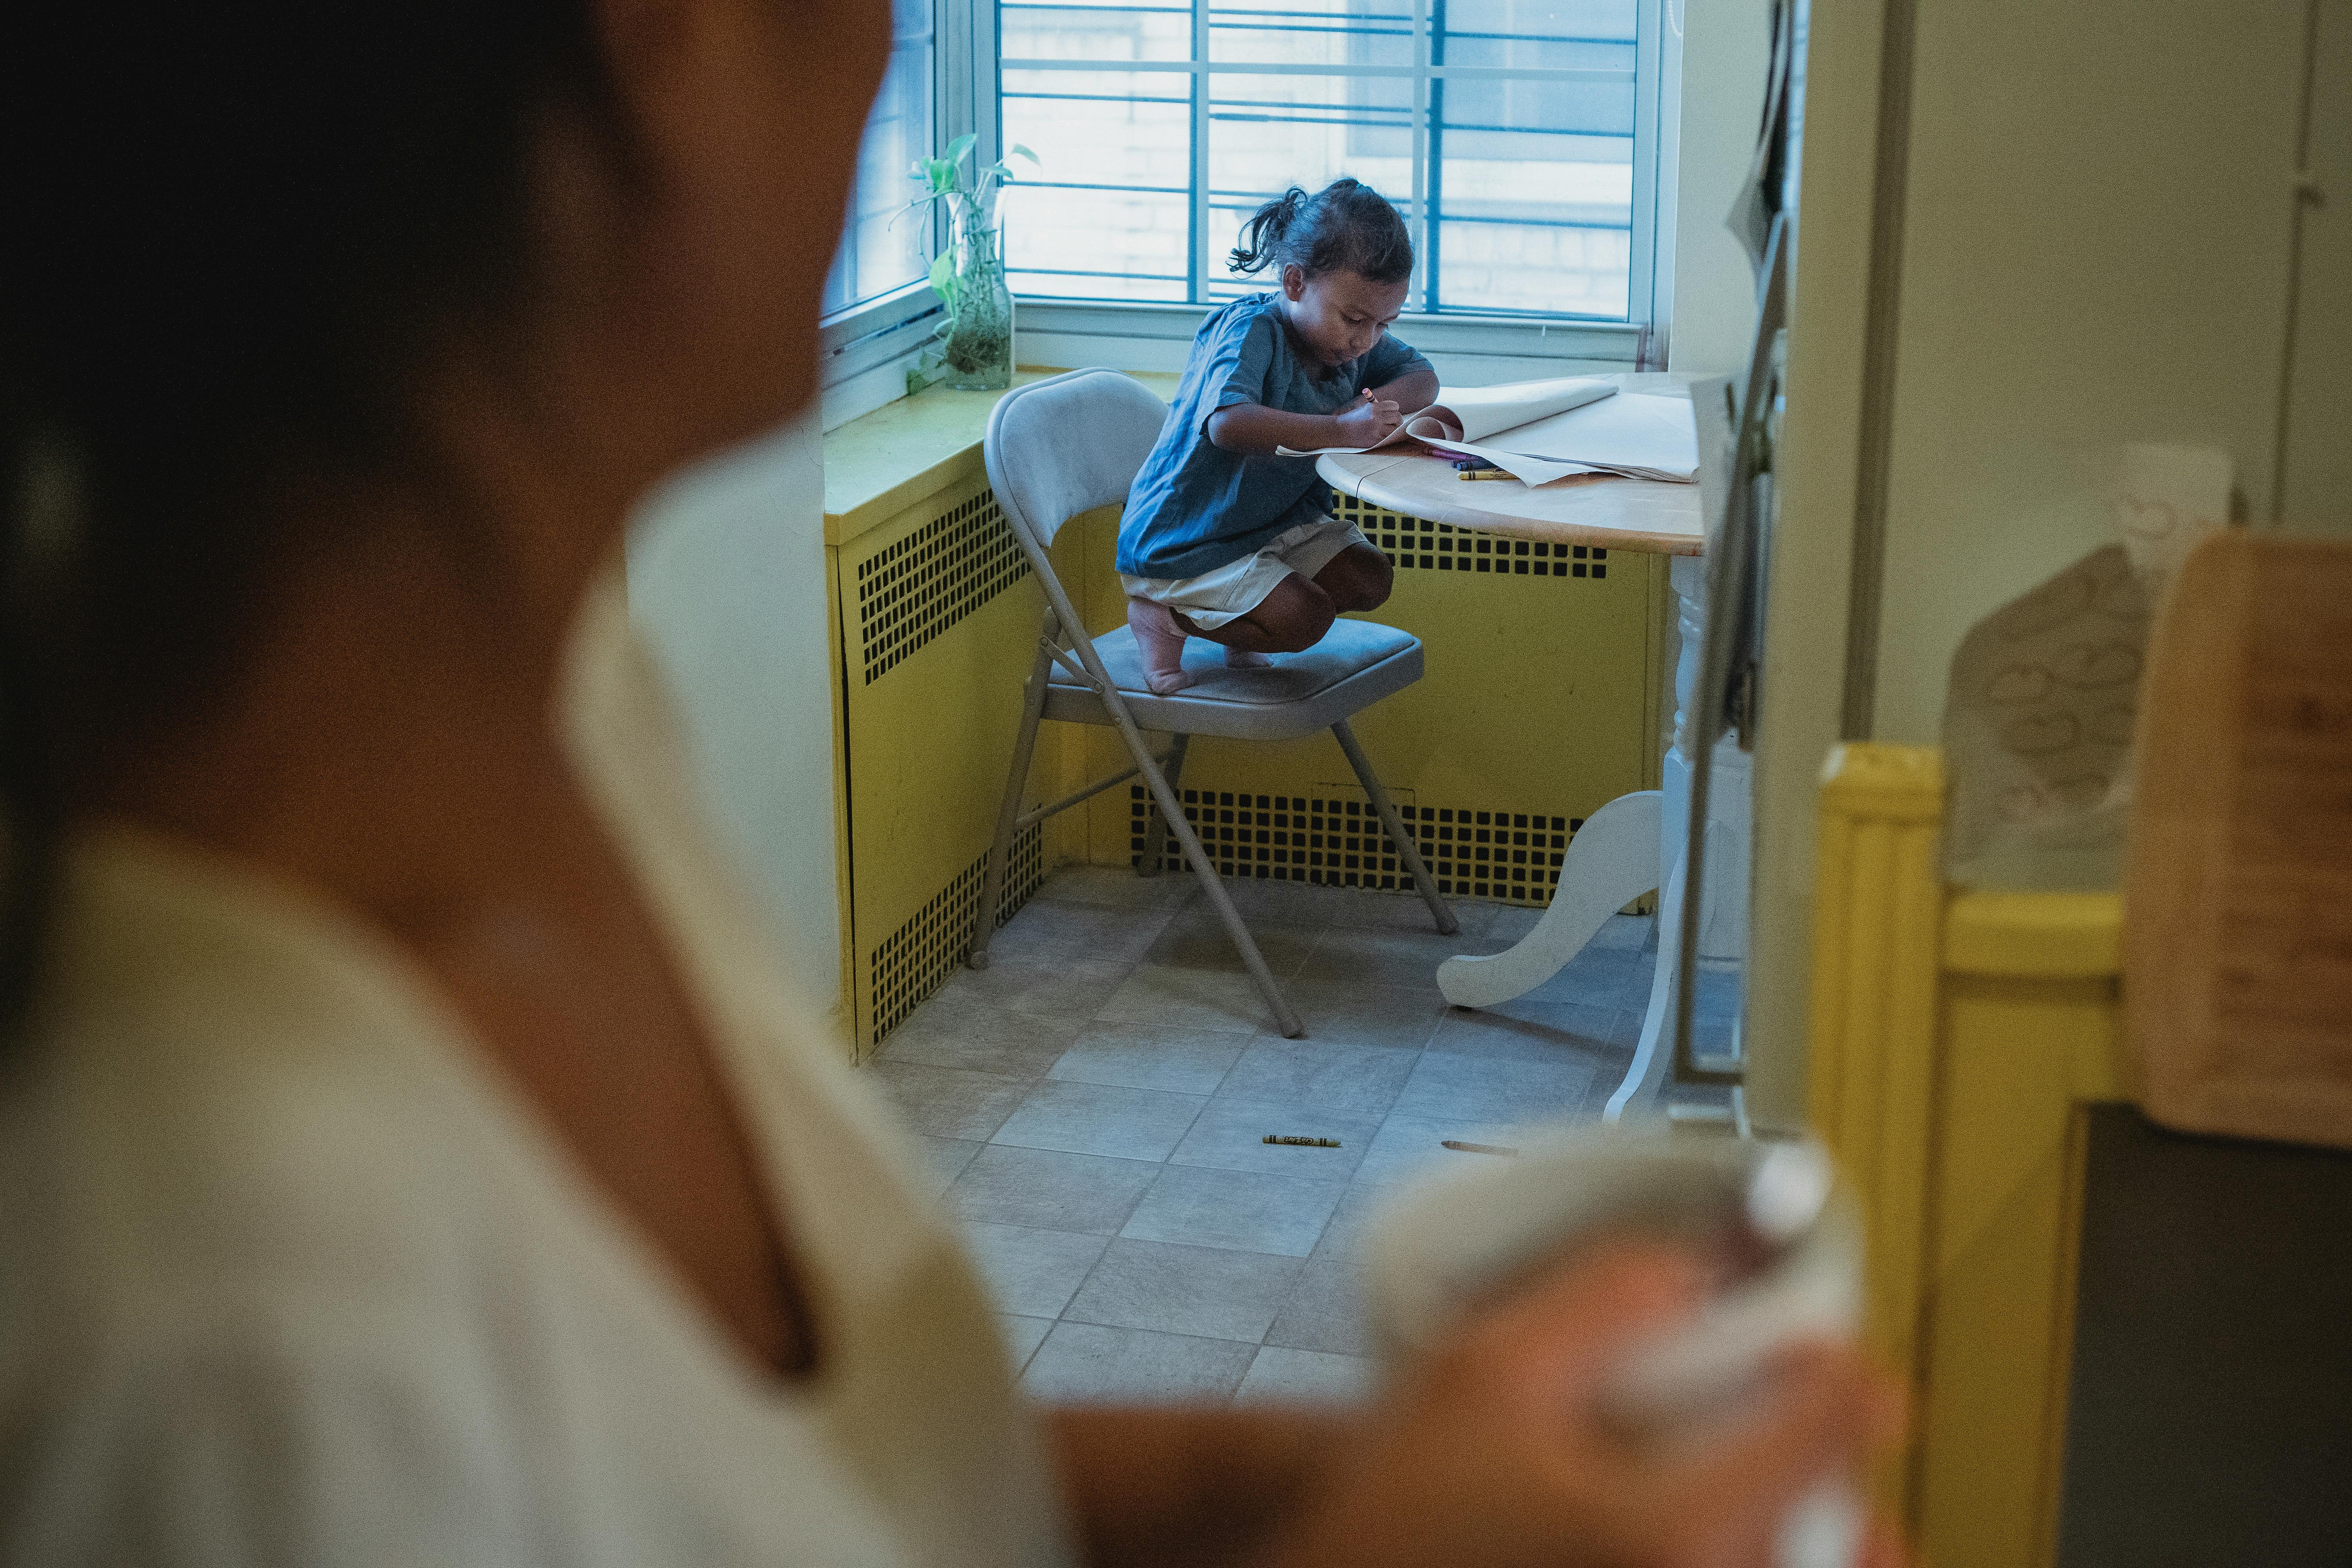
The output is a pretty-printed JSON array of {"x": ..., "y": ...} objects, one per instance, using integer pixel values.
[{"x": 973, "y": 344}]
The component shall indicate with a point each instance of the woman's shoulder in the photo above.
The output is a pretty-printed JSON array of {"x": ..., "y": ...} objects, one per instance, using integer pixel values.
[
  {"x": 247, "y": 1228},
  {"x": 219, "y": 1089}
]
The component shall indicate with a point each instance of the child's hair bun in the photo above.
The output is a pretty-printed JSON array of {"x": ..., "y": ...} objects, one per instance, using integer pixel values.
[{"x": 1346, "y": 225}]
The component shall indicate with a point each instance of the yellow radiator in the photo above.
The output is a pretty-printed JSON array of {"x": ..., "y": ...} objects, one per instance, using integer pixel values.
[{"x": 936, "y": 604}]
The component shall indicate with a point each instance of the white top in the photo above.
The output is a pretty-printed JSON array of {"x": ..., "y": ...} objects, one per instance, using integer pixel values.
[{"x": 290, "y": 1272}]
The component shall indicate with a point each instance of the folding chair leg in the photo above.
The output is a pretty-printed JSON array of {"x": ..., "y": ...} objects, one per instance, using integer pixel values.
[
  {"x": 992, "y": 887},
  {"x": 1172, "y": 812},
  {"x": 1155, "y": 837},
  {"x": 1408, "y": 851}
]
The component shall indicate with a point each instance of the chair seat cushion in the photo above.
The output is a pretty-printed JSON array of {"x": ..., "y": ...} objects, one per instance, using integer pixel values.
[{"x": 1354, "y": 665}]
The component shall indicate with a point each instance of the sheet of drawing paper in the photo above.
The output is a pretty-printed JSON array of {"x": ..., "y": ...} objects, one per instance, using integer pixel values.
[
  {"x": 1640, "y": 434},
  {"x": 1471, "y": 412}
]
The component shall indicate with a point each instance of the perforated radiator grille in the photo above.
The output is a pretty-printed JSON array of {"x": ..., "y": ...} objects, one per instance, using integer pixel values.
[
  {"x": 1415, "y": 544},
  {"x": 925, "y": 583},
  {"x": 917, "y": 959},
  {"x": 1473, "y": 852}
]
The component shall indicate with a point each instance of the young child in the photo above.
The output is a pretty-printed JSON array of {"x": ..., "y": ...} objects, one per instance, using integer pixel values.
[{"x": 1223, "y": 539}]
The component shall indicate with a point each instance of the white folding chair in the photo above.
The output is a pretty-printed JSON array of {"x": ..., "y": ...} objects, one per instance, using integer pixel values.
[{"x": 1059, "y": 447}]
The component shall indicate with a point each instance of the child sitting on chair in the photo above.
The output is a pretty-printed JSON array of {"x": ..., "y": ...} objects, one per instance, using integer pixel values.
[{"x": 1224, "y": 540}]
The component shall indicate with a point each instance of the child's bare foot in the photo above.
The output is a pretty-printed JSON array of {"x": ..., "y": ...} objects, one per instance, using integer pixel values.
[
  {"x": 1242, "y": 658},
  {"x": 1162, "y": 642}
]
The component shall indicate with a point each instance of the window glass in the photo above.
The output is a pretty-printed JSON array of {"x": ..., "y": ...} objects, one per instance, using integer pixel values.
[
  {"x": 883, "y": 247},
  {"x": 1108, "y": 212}
]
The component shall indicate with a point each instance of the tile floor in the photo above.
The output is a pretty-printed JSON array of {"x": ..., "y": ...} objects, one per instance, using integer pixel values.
[{"x": 1093, "y": 1103}]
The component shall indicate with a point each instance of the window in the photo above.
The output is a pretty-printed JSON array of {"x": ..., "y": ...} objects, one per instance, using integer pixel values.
[
  {"x": 883, "y": 248},
  {"x": 1511, "y": 133}
]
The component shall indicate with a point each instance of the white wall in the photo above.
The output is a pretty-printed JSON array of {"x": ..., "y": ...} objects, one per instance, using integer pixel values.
[
  {"x": 2095, "y": 251},
  {"x": 1724, "y": 53},
  {"x": 727, "y": 580}
]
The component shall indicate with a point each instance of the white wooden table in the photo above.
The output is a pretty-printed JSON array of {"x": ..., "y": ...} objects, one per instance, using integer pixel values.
[{"x": 1636, "y": 843}]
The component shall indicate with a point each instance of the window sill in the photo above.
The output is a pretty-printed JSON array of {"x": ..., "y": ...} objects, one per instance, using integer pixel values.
[{"x": 879, "y": 465}]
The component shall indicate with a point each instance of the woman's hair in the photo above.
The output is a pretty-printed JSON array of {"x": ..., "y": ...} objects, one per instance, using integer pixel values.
[
  {"x": 232, "y": 229},
  {"x": 1343, "y": 227}
]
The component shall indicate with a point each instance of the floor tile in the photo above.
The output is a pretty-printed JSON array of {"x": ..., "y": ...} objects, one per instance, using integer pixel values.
[
  {"x": 948, "y": 1102},
  {"x": 1138, "y": 1056},
  {"x": 1113, "y": 887},
  {"x": 1409, "y": 1147},
  {"x": 1325, "y": 1311},
  {"x": 1367, "y": 1015},
  {"x": 1510, "y": 922},
  {"x": 1086, "y": 1362},
  {"x": 1401, "y": 960},
  {"x": 1319, "y": 1074},
  {"x": 1284, "y": 1376},
  {"x": 1100, "y": 1119},
  {"x": 1629, "y": 932},
  {"x": 1023, "y": 1336},
  {"x": 1531, "y": 1031},
  {"x": 1056, "y": 1191},
  {"x": 1212, "y": 1291},
  {"x": 957, "y": 1028},
  {"x": 1632, "y": 933},
  {"x": 1076, "y": 987},
  {"x": 1247, "y": 1210},
  {"x": 1305, "y": 904},
  {"x": 1197, "y": 938},
  {"x": 943, "y": 1160},
  {"x": 1032, "y": 1272},
  {"x": 1189, "y": 999},
  {"x": 1290, "y": 903},
  {"x": 1045, "y": 932},
  {"x": 1492, "y": 1090},
  {"x": 1344, "y": 1232},
  {"x": 1231, "y": 1131},
  {"x": 1601, "y": 977}
]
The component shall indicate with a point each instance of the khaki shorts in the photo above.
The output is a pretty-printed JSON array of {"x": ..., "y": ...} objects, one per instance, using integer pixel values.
[{"x": 1236, "y": 588}]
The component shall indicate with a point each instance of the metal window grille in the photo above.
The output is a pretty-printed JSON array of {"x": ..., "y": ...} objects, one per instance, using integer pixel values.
[{"x": 1517, "y": 136}]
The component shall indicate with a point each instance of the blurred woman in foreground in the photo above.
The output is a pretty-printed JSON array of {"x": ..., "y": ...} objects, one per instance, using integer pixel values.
[{"x": 405, "y": 1154}]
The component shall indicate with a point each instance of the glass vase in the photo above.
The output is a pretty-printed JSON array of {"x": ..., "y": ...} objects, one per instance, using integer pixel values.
[{"x": 978, "y": 348}]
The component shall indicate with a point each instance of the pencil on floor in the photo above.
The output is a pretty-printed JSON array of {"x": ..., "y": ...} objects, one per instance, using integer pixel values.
[{"x": 1480, "y": 1148}]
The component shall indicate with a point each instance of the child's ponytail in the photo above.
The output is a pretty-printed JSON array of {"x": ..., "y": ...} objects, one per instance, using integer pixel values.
[
  {"x": 1262, "y": 236},
  {"x": 1345, "y": 224}
]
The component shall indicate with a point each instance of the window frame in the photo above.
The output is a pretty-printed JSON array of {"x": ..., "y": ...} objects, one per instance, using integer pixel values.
[
  {"x": 868, "y": 336},
  {"x": 872, "y": 335}
]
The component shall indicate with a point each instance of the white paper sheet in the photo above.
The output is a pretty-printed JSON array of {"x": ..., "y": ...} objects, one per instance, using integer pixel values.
[
  {"x": 1638, "y": 435},
  {"x": 1472, "y": 412}
]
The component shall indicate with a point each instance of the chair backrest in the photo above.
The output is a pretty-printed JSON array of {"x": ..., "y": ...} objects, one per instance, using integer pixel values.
[{"x": 1059, "y": 447}]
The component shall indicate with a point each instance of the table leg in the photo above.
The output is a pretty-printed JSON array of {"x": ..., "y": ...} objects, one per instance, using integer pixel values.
[
  {"x": 1635, "y": 843},
  {"x": 1612, "y": 861},
  {"x": 1655, "y": 1053},
  {"x": 1623, "y": 850}
]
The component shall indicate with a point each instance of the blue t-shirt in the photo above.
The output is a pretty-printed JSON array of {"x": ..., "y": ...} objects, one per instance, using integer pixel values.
[{"x": 1196, "y": 507}]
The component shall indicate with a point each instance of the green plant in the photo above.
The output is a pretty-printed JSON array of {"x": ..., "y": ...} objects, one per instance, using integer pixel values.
[{"x": 975, "y": 325}]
